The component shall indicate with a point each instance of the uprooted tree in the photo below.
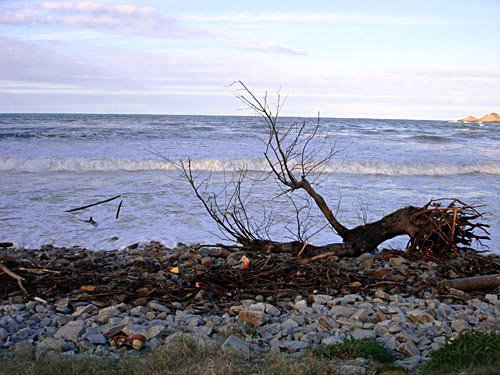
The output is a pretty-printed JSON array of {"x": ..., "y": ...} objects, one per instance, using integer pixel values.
[{"x": 438, "y": 228}]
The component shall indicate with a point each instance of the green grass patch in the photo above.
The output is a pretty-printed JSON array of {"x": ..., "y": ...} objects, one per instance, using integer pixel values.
[
  {"x": 468, "y": 350},
  {"x": 355, "y": 348}
]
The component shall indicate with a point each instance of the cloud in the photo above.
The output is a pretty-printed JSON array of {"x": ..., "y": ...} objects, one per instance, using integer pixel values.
[
  {"x": 337, "y": 18},
  {"x": 274, "y": 49},
  {"x": 118, "y": 19}
]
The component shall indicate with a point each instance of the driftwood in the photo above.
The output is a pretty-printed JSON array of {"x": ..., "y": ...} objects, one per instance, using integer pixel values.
[
  {"x": 118, "y": 210},
  {"x": 93, "y": 204},
  {"x": 480, "y": 282},
  {"x": 13, "y": 275},
  {"x": 119, "y": 276},
  {"x": 436, "y": 230}
]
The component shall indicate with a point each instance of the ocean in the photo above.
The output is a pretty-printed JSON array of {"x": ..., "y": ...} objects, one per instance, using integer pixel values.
[{"x": 50, "y": 163}]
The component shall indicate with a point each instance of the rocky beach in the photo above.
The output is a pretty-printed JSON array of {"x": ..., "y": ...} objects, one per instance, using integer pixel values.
[{"x": 77, "y": 302}]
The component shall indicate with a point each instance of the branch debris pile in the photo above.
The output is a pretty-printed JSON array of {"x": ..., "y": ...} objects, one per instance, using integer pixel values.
[{"x": 213, "y": 277}]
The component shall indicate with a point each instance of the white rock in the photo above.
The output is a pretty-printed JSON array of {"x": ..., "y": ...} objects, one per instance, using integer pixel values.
[
  {"x": 338, "y": 311},
  {"x": 332, "y": 340},
  {"x": 363, "y": 333}
]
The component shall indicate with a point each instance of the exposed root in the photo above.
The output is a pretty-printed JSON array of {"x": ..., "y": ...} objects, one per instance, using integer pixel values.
[{"x": 446, "y": 230}]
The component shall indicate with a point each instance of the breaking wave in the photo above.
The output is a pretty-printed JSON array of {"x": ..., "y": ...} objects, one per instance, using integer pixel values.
[{"x": 53, "y": 164}]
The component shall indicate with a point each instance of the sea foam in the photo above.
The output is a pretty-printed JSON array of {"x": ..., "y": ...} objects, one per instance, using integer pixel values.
[{"x": 53, "y": 164}]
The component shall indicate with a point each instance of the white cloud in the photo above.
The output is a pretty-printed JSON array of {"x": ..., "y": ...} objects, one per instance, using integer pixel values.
[
  {"x": 274, "y": 49},
  {"x": 118, "y": 19},
  {"x": 339, "y": 18}
]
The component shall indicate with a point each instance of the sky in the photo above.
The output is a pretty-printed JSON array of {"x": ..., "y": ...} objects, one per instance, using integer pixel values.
[{"x": 421, "y": 59}]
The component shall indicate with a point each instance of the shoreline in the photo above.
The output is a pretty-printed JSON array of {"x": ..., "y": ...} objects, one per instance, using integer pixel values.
[{"x": 200, "y": 292}]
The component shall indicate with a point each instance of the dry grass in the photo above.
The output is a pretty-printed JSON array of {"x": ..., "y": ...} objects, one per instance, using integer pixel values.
[{"x": 179, "y": 357}]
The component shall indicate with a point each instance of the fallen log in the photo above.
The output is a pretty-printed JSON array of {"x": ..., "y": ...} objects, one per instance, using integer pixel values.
[{"x": 474, "y": 282}]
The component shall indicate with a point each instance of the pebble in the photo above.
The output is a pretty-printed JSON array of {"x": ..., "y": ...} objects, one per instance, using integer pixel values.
[
  {"x": 408, "y": 326},
  {"x": 235, "y": 345}
]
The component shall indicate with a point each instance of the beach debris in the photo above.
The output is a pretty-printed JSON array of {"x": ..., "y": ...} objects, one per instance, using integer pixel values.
[
  {"x": 92, "y": 221},
  {"x": 93, "y": 204},
  {"x": 134, "y": 341},
  {"x": 19, "y": 279},
  {"x": 152, "y": 272},
  {"x": 438, "y": 229},
  {"x": 118, "y": 209},
  {"x": 474, "y": 282},
  {"x": 245, "y": 263}
]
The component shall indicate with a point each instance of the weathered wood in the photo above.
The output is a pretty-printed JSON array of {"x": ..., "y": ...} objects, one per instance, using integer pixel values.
[
  {"x": 93, "y": 204},
  {"x": 118, "y": 210},
  {"x": 474, "y": 283},
  {"x": 13, "y": 275}
]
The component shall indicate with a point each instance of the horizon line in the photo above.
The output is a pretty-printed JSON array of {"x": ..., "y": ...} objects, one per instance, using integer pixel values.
[{"x": 220, "y": 115}]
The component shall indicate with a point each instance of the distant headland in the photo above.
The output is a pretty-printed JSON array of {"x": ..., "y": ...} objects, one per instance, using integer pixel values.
[{"x": 489, "y": 118}]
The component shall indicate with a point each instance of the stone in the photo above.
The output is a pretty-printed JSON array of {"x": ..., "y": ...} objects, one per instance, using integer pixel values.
[
  {"x": 255, "y": 318},
  {"x": 491, "y": 298},
  {"x": 63, "y": 319},
  {"x": 293, "y": 346},
  {"x": 289, "y": 324},
  {"x": 407, "y": 337},
  {"x": 378, "y": 317},
  {"x": 158, "y": 307},
  {"x": 85, "y": 311},
  {"x": 397, "y": 261},
  {"x": 332, "y": 340},
  {"x": 379, "y": 293},
  {"x": 153, "y": 344},
  {"x": 411, "y": 364},
  {"x": 321, "y": 299},
  {"x": 419, "y": 316},
  {"x": 51, "y": 344},
  {"x": 460, "y": 325},
  {"x": 272, "y": 310},
  {"x": 363, "y": 333},
  {"x": 349, "y": 323},
  {"x": 389, "y": 341},
  {"x": 360, "y": 315},
  {"x": 326, "y": 323},
  {"x": 236, "y": 346},
  {"x": 339, "y": 310},
  {"x": 70, "y": 331},
  {"x": 112, "y": 329},
  {"x": 132, "y": 329},
  {"x": 62, "y": 305},
  {"x": 395, "y": 328},
  {"x": 155, "y": 331},
  {"x": 138, "y": 311},
  {"x": 3, "y": 334},
  {"x": 366, "y": 260},
  {"x": 96, "y": 338},
  {"x": 300, "y": 305},
  {"x": 409, "y": 349}
]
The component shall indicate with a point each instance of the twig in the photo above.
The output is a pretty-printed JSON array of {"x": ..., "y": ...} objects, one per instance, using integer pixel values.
[
  {"x": 302, "y": 250},
  {"x": 93, "y": 204},
  {"x": 16, "y": 277},
  {"x": 118, "y": 210},
  {"x": 38, "y": 271}
]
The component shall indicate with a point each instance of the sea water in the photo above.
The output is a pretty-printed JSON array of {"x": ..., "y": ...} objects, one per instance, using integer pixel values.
[{"x": 50, "y": 163}]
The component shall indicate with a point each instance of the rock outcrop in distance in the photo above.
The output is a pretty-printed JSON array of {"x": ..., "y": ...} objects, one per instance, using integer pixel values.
[{"x": 489, "y": 118}]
